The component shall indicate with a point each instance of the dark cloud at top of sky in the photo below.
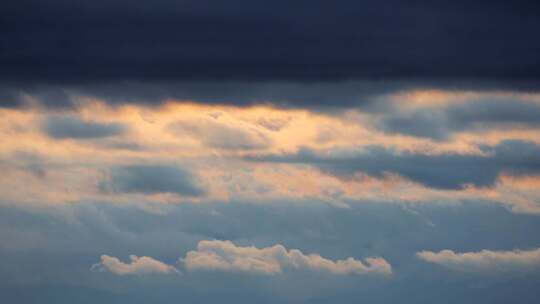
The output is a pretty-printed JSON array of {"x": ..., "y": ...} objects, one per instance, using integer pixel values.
[
  {"x": 61, "y": 127},
  {"x": 445, "y": 171},
  {"x": 441, "y": 123},
  {"x": 77, "y": 42}
]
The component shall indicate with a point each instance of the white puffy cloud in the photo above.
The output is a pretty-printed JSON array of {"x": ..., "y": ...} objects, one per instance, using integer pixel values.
[
  {"x": 138, "y": 265},
  {"x": 485, "y": 260},
  {"x": 226, "y": 256}
]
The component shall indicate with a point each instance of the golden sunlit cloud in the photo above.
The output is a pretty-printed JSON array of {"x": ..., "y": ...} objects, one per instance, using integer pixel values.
[{"x": 55, "y": 157}]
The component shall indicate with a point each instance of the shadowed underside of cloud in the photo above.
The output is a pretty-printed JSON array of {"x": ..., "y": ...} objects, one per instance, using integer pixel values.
[
  {"x": 445, "y": 171},
  {"x": 197, "y": 50},
  {"x": 441, "y": 123},
  {"x": 152, "y": 179},
  {"x": 238, "y": 93},
  {"x": 226, "y": 256},
  {"x": 61, "y": 127},
  {"x": 137, "y": 266},
  {"x": 311, "y": 40},
  {"x": 485, "y": 261},
  {"x": 305, "y": 94}
]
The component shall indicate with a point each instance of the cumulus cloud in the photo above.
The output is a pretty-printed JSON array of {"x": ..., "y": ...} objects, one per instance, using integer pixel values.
[
  {"x": 151, "y": 179},
  {"x": 226, "y": 256},
  {"x": 137, "y": 266},
  {"x": 61, "y": 127},
  {"x": 485, "y": 260}
]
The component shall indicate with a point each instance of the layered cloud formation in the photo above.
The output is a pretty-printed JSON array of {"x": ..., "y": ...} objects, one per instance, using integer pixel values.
[
  {"x": 362, "y": 179},
  {"x": 269, "y": 151},
  {"x": 485, "y": 150},
  {"x": 443, "y": 171}
]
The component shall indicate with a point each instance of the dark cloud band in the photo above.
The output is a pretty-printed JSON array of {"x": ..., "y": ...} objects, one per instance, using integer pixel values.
[
  {"x": 313, "y": 95},
  {"x": 482, "y": 115},
  {"x": 60, "y": 127},
  {"x": 446, "y": 171},
  {"x": 77, "y": 42},
  {"x": 152, "y": 179}
]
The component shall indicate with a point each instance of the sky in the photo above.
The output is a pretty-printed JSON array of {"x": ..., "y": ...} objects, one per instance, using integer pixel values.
[{"x": 269, "y": 151}]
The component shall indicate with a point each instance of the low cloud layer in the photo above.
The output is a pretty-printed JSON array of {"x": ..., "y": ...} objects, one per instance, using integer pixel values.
[
  {"x": 136, "y": 266},
  {"x": 152, "y": 179},
  {"x": 226, "y": 256},
  {"x": 485, "y": 261},
  {"x": 73, "y": 237}
]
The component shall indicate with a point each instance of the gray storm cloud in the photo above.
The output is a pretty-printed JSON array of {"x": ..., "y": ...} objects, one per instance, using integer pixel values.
[
  {"x": 151, "y": 179},
  {"x": 63, "y": 127}
]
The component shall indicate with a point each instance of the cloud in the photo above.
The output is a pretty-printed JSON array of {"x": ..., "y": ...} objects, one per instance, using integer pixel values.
[
  {"x": 210, "y": 40},
  {"x": 485, "y": 261},
  {"x": 137, "y": 266},
  {"x": 443, "y": 171},
  {"x": 63, "y": 127},
  {"x": 477, "y": 115},
  {"x": 238, "y": 93},
  {"x": 70, "y": 247},
  {"x": 220, "y": 135},
  {"x": 151, "y": 179},
  {"x": 226, "y": 256}
]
